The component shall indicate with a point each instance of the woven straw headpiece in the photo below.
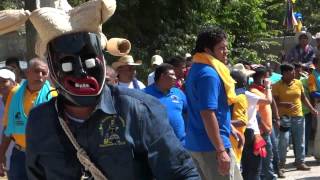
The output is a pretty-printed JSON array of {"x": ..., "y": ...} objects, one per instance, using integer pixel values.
[
  {"x": 12, "y": 20},
  {"x": 88, "y": 17}
]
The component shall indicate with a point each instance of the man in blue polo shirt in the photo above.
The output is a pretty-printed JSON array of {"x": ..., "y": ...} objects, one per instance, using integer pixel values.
[
  {"x": 208, "y": 130},
  {"x": 172, "y": 98}
]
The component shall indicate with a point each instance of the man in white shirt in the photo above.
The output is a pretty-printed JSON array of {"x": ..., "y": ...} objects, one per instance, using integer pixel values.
[
  {"x": 125, "y": 68},
  {"x": 156, "y": 61}
]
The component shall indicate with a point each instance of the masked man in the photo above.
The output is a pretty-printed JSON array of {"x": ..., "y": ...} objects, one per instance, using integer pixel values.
[{"x": 92, "y": 130}]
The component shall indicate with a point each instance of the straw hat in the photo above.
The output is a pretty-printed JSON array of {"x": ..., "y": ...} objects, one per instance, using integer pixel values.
[
  {"x": 88, "y": 17},
  {"x": 12, "y": 20},
  {"x": 240, "y": 67},
  {"x": 298, "y": 34},
  {"x": 125, "y": 60}
]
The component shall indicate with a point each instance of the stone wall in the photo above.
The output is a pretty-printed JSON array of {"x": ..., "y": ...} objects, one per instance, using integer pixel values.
[{"x": 12, "y": 45}]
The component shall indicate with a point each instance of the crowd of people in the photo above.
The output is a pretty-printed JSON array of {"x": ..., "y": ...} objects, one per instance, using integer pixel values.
[{"x": 70, "y": 116}]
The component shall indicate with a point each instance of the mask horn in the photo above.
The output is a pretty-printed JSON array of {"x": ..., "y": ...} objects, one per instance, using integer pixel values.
[{"x": 118, "y": 46}]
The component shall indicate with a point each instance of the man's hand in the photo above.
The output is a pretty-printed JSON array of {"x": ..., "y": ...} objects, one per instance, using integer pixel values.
[
  {"x": 239, "y": 137},
  {"x": 314, "y": 112},
  {"x": 223, "y": 163},
  {"x": 267, "y": 83}
]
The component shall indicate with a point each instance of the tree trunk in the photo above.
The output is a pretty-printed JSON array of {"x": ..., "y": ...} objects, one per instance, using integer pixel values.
[{"x": 31, "y": 33}]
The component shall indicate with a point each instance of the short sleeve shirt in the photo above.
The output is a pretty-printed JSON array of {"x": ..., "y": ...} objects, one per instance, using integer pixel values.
[
  {"x": 205, "y": 91},
  {"x": 289, "y": 93},
  {"x": 175, "y": 103}
]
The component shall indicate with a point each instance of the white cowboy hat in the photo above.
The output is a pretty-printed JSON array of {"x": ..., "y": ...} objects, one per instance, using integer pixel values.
[
  {"x": 12, "y": 20},
  {"x": 240, "y": 67},
  {"x": 298, "y": 34},
  {"x": 124, "y": 60},
  {"x": 88, "y": 17}
]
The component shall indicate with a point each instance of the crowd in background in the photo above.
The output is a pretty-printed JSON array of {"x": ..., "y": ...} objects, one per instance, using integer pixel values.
[{"x": 237, "y": 121}]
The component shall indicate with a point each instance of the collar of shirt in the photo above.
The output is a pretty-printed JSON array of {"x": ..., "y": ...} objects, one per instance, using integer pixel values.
[
  {"x": 156, "y": 88},
  {"x": 107, "y": 102}
]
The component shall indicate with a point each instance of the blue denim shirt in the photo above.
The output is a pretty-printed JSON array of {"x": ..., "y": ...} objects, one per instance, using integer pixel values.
[{"x": 127, "y": 138}]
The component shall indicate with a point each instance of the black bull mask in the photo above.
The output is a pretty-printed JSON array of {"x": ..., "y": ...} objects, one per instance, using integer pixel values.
[{"x": 77, "y": 67}]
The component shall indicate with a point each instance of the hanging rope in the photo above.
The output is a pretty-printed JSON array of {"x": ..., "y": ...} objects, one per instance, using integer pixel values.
[{"x": 81, "y": 153}]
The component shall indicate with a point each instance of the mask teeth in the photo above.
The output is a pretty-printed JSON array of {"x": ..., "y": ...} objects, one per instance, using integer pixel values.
[{"x": 79, "y": 85}]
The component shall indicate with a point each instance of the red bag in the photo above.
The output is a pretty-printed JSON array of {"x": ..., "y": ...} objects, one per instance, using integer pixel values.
[{"x": 259, "y": 146}]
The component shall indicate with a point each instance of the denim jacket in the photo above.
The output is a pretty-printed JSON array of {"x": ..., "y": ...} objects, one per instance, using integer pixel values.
[{"x": 127, "y": 138}]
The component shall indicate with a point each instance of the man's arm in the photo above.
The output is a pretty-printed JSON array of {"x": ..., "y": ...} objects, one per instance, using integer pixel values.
[
  {"x": 306, "y": 102},
  {"x": 212, "y": 128},
  {"x": 275, "y": 113},
  {"x": 166, "y": 156},
  {"x": 267, "y": 92},
  {"x": 3, "y": 149}
]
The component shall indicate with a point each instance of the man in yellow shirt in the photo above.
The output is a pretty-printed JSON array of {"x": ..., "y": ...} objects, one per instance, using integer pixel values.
[
  {"x": 289, "y": 94},
  {"x": 35, "y": 90}
]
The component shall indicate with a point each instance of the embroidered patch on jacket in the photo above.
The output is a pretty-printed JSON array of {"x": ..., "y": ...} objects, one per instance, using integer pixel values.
[
  {"x": 175, "y": 99},
  {"x": 112, "y": 130}
]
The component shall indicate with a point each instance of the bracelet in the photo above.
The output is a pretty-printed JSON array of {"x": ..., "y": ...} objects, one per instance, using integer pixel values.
[{"x": 221, "y": 151}]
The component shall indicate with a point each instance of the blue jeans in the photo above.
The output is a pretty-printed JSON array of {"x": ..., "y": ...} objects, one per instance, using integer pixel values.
[
  {"x": 295, "y": 126},
  {"x": 17, "y": 169},
  {"x": 267, "y": 172},
  {"x": 251, "y": 164},
  {"x": 275, "y": 150}
]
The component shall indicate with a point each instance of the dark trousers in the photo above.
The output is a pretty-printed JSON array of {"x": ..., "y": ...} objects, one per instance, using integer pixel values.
[
  {"x": 267, "y": 172},
  {"x": 17, "y": 169},
  {"x": 251, "y": 164},
  {"x": 274, "y": 141},
  {"x": 308, "y": 130}
]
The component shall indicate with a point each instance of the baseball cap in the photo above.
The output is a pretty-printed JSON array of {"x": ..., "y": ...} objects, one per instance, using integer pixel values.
[
  {"x": 7, "y": 74},
  {"x": 157, "y": 60}
]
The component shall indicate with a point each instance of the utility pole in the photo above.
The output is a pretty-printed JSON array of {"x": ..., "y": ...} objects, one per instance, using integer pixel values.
[{"x": 31, "y": 33}]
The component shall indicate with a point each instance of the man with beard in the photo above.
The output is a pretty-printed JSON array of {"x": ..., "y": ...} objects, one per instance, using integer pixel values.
[{"x": 93, "y": 130}]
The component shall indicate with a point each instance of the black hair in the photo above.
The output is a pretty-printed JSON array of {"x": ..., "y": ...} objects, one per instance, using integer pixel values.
[
  {"x": 285, "y": 68},
  {"x": 208, "y": 38},
  {"x": 176, "y": 61},
  {"x": 12, "y": 60},
  {"x": 297, "y": 65},
  {"x": 163, "y": 68},
  {"x": 189, "y": 61},
  {"x": 259, "y": 73}
]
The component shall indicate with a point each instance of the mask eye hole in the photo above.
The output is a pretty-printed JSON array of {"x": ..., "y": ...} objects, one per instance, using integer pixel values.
[
  {"x": 67, "y": 66},
  {"x": 90, "y": 63}
]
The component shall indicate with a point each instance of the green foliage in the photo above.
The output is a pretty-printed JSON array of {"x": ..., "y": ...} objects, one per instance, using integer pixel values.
[
  {"x": 11, "y": 4},
  {"x": 170, "y": 27}
]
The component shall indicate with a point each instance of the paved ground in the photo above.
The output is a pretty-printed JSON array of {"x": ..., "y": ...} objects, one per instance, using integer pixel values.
[{"x": 293, "y": 174}]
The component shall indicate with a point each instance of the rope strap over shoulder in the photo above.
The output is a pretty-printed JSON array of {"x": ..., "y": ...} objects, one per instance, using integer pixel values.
[{"x": 81, "y": 153}]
